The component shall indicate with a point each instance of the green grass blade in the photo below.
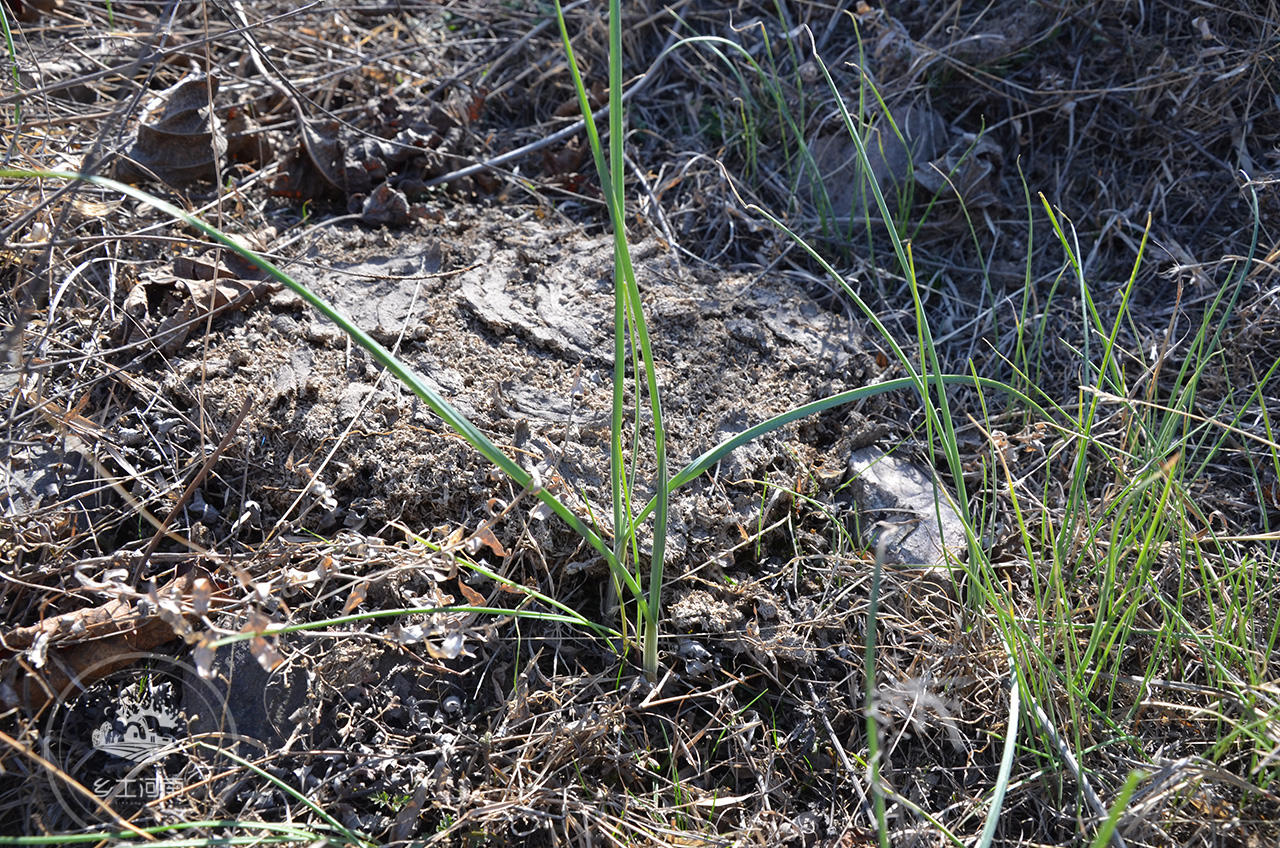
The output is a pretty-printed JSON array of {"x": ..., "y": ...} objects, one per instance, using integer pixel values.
[
  {"x": 628, "y": 310},
  {"x": 1006, "y": 759},
  {"x": 17, "y": 76},
  {"x": 1108, "y": 828},
  {"x": 283, "y": 833}
]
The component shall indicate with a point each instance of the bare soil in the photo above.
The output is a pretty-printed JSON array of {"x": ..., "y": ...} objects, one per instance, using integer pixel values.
[{"x": 152, "y": 375}]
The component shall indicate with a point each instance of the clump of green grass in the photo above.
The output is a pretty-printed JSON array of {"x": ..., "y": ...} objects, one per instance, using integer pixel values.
[
  {"x": 1099, "y": 570},
  {"x": 632, "y": 350},
  {"x": 1124, "y": 589}
]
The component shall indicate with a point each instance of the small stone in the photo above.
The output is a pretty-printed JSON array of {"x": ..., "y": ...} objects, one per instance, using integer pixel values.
[{"x": 907, "y": 508}]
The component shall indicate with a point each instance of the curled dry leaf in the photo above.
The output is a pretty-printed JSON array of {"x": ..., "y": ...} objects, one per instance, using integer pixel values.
[
  {"x": 359, "y": 592},
  {"x": 201, "y": 595},
  {"x": 454, "y": 539},
  {"x": 385, "y": 205},
  {"x": 969, "y": 169},
  {"x": 183, "y": 303},
  {"x": 203, "y": 654},
  {"x": 89, "y": 643},
  {"x": 263, "y": 649},
  {"x": 484, "y": 537},
  {"x": 265, "y": 653},
  {"x": 407, "y": 634},
  {"x": 247, "y": 144},
  {"x": 297, "y": 577},
  {"x": 113, "y": 618},
  {"x": 472, "y": 596},
  {"x": 178, "y": 139},
  {"x": 338, "y": 160},
  {"x": 28, "y": 11},
  {"x": 451, "y": 647}
]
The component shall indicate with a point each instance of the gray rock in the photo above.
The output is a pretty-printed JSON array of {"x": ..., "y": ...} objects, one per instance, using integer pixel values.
[{"x": 905, "y": 507}]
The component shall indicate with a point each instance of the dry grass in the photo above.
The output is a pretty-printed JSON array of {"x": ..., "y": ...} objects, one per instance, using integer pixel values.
[{"x": 536, "y": 734}]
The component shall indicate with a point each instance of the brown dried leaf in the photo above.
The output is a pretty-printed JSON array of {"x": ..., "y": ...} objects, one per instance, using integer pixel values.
[
  {"x": 110, "y": 619},
  {"x": 203, "y": 654},
  {"x": 256, "y": 622},
  {"x": 265, "y": 653},
  {"x": 359, "y": 592},
  {"x": 194, "y": 268},
  {"x": 484, "y": 536},
  {"x": 385, "y": 205},
  {"x": 28, "y": 11},
  {"x": 113, "y": 618},
  {"x": 178, "y": 139},
  {"x": 183, "y": 303},
  {"x": 88, "y": 661},
  {"x": 453, "y": 646},
  {"x": 473, "y": 597},
  {"x": 201, "y": 595},
  {"x": 247, "y": 144}
]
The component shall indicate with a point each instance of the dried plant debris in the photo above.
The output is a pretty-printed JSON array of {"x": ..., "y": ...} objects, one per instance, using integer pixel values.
[
  {"x": 29, "y": 11},
  {"x": 166, "y": 308},
  {"x": 359, "y": 165},
  {"x": 83, "y": 645},
  {"x": 313, "y": 572},
  {"x": 178, "y": 138}
]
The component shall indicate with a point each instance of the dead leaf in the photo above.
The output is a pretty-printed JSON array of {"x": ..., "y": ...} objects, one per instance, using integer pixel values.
[
  {"x": 28, "y": 11},
  {"x": 473, "y": 597},
  {"x": 565, "y": 160},
  {"x": 194, "y": 268},
  {"x": 484, "y": 536},
  {"x": 385, "y": 205},
  {"x": 178, "y": 139},
  {"x": 256, "y": 622},
  {"x": 113, "y": 618},
  {"x": 203, "y": 654},
  {"x": 453, "y": 646},
  {"x": 201, "y": 595},
  {"x": 265, "y": 653},
  {"x": 90, "y": 643},
  {"x": 168, "y": 307},
  {"x": 407, "y": 819},
  {"x": 247, "y": 144},
  {"x": 359, "y": 592}
]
